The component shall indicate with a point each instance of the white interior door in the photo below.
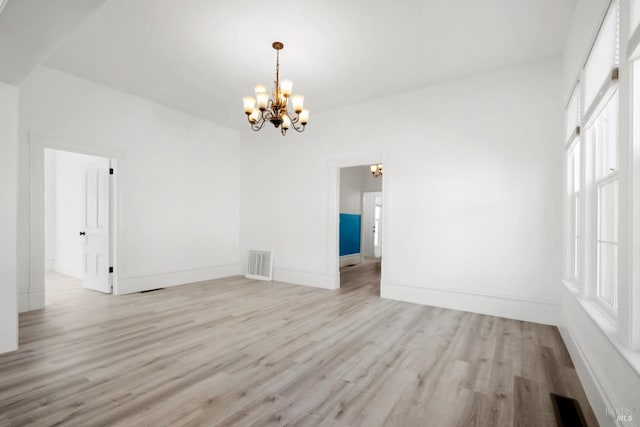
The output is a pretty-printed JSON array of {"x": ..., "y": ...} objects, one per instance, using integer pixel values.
[
  {"x": 96, "y": 251},
  {"x": 369, "y": 231}
]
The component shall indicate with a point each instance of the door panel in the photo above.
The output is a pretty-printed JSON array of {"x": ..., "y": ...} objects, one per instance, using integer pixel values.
[{"x": 96, "y": 251}]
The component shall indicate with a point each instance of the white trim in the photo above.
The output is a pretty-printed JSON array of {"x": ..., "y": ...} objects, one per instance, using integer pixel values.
[
  {"x": 128, "y": 285},
  {"x": 306, "y": 278},
  {"x": 512, "y": 307},
  {"x": 607, "y": 327},
  {"x": 609, "y": 372},
  {"x": 593, "y": 389},
  {"x": 630, "y": 207},
  {"x": 23, "y": 300},
  {"x": 351, "y": 259},
  {"x": 30, "y": 299}
]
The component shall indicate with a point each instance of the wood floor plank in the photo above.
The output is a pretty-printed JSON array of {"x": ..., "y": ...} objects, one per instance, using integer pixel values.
[{"x": 239, "y": 352}]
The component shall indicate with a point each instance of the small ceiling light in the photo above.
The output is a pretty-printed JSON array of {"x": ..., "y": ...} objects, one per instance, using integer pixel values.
[
  {"x": 262, "y": 108},
  {"x": 376, "y": 170}
]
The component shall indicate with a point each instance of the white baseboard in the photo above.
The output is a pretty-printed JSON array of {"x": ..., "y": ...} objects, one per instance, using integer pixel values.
[
  {"x": 154, "y": 281},
  {"x": 8, "y": 346},
  {"x": 66, "y": 268},
  {"x": 23, "y": 300},
  {"x": 30, "y": 299},
  {"x": 306, "y": 278},
  {"x": 350, "y": 259},
  {"x": 592, "y": 387},
  {"x": 530, "y": 310}
]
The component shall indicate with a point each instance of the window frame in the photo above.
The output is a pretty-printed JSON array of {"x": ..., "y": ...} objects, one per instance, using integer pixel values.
[
  {"x": 574, "y": 198},
  {"x": 595, "y": 183}
]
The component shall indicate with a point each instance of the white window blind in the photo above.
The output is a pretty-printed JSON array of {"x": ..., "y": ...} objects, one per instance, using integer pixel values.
[
  {"x": 633, "y": 49},
  {"x": 603, "y": 58},
  {"x": 572, "y": 113},
  {"x": 635, "y": 14}
]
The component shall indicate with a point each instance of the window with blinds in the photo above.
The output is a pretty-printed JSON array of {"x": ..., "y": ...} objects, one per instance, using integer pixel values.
[{"x": 601, "y": 68}]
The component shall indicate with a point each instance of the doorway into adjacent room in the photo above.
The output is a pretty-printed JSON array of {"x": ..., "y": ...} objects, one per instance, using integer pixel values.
[
  {"x": 78, "y": 198},
  {"x": 360, "y": 228}
]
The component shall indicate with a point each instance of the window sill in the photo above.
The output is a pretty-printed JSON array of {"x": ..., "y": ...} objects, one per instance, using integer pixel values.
[{"x": 606, "y": 325}]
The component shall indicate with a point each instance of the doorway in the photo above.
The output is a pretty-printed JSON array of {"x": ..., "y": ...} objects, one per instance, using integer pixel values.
[
  {"x": 360, "y": 228},
  {"x": 78, "y": 226}
]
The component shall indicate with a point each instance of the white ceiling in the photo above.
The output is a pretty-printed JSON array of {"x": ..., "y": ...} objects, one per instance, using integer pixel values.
[
  {"x": 202, "y": 56},
  {"x": 31, "y": 29}
]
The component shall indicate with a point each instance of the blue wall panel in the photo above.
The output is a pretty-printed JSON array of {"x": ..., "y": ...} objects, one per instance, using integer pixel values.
[{"x": 349, "y": 234}]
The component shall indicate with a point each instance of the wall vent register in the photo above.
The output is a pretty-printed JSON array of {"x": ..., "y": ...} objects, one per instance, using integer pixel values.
[{"x": 260, "y": 265}]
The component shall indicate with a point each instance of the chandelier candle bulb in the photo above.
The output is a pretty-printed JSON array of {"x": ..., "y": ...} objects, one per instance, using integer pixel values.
[
  {"x": 249, "y": 104},
  {"x": 260, "y": 89},
  {"x": 297, "y": 101},
  {"x": 286, "y": 122},
  {"x": 286, "y": 86},
  {"x": 304, "y": 117},
  {"x": 254, "y": 116},
  {"x": 263, "y": 100}
]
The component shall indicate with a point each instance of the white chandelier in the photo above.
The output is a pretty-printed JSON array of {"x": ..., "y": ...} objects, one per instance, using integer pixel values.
[
  {"x": 261, "y": 109},
  {"x": 376, "y": 170}
]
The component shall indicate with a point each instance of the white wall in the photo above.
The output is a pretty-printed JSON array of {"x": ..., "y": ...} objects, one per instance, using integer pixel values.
[
  {"x": 66, "y": 210},
  {"x": 370, "y": 183},
  {"x": 177, "y": 179},
  {"x": 352, "y": 182},
  {"x": 8, "y": 187},
  {"x": 472, "y": 201}
]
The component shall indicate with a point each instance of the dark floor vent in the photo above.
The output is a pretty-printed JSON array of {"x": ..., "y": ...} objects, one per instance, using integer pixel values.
[
  {"x": 567, "y": 411},
  {"x": 151, "y": 290}
]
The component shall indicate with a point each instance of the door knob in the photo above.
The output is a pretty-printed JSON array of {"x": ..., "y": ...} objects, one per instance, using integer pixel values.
[{"x": 82, "y": 233}]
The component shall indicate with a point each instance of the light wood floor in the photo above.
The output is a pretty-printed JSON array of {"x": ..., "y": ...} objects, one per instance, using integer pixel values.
[{"x": 249, "y": 353}]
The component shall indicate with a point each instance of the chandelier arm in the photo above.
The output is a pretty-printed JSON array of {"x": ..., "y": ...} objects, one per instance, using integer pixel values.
[
  {"x": 258, "y": 125},
  {"x": 294, "y": 123}
]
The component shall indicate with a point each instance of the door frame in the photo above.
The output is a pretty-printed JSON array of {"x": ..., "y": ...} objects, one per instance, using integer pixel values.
[
  {"x": 333, "y": 208},
  {"x": 34, "y": 298}
]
